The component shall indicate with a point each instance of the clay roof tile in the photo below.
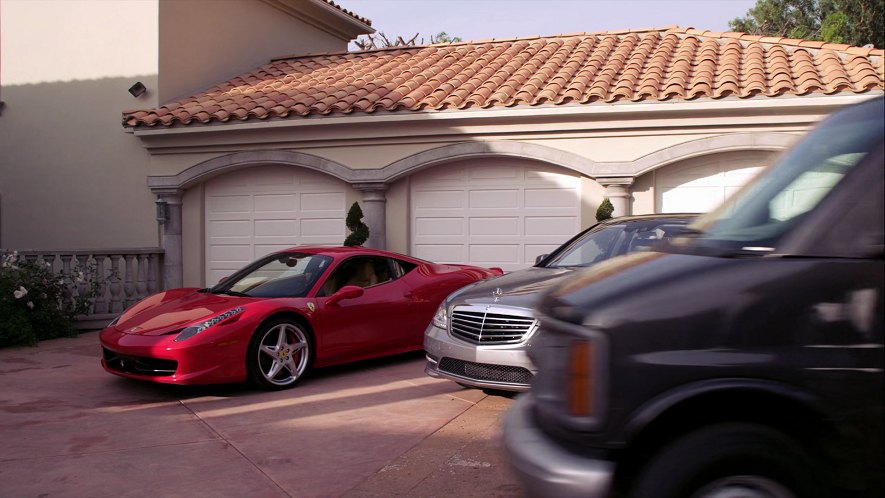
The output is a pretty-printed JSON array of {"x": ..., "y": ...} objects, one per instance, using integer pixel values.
[{"x": 644, "y": 64}]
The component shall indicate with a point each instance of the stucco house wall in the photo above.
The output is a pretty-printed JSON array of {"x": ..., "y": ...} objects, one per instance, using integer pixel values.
[{"x": 71, "y": 177}]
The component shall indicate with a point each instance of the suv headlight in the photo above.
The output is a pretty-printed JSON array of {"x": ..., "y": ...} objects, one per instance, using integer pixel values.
[
  {"x": 441, "y": 318},
  {"x": 196, "y": 328}
]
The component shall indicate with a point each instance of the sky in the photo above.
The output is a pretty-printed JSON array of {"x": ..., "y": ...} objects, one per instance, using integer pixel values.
[{"x": 483, "y": 19}]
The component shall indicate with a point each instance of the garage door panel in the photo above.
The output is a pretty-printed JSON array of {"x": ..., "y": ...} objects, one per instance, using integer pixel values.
[
  {"x": 440, "y": 252},
  {"x": 494, "y": 199},
  {"x": 551, "y": 198},
  {"x": 439, "y": 226},
  {"x": 233, "y": 228},
  {"x": 275, "y": 228},
  {"x": 563, "y": 226},
  {"x": 322, "y": 202},
  {"x": 230, "y": 204},
  {"x": 223, "y": 253},
  {"x": 495, "y": 254},
  {"x": 321, "y": 227},
  {"x": 497, "y": 226},
  {"x": 439, "y": 199},
  {"x": 276, "y": 203},
  {"x": 496, "y": 173}
]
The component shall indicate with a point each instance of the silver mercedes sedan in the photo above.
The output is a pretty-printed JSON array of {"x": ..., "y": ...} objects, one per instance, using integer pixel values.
[{"x": 480, "y": 333}]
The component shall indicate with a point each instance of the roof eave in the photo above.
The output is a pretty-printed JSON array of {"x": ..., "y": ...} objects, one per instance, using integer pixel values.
[
  {"x": 324, "y": 16},
  {"x": 817, "y": 102}
]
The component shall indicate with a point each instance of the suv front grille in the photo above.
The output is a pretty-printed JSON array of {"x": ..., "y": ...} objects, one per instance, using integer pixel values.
[
  {"x": 486, "y": 372},
  {"x": 477, "y": 325}
]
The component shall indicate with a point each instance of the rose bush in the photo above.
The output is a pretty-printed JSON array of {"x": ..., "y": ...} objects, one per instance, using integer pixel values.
[{"x": 37, "y": 303}]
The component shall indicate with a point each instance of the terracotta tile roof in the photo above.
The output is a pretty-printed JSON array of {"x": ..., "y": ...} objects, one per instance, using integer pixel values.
[{"x": 582, "y": 68}]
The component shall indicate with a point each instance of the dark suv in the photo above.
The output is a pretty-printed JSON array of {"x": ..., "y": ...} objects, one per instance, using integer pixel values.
[{"x": 744, "y": 358}]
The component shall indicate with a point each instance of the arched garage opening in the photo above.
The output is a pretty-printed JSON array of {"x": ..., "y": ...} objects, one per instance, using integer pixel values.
[
  {"x": 702, "y": 183},
  {"x": 494, "y": 211},
  {"x": 254, "y": 211}
]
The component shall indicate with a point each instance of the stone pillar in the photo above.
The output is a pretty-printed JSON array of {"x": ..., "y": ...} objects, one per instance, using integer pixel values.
[
  {"x": 169, "y": 218},
  {"x": 374, "y": 206},
  {"x": 618, "y": 192}
]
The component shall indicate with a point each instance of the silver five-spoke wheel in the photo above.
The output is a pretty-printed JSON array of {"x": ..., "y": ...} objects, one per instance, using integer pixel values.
[{"x": 280, "y": 354}]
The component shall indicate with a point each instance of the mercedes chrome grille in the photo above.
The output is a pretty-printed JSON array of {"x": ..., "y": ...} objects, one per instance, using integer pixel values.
[{"x": 489, "y": 325}]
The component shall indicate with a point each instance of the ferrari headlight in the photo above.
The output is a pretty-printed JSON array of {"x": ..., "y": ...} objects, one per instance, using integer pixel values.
[
  {"x": 440, "y": 318},
  {"x": 195, "y": 329}
]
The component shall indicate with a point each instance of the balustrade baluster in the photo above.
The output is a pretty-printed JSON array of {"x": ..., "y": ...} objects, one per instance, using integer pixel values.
[
  {"x": 101, "y": 300},
  {"x": 141, "y": 285},
  {"x": 116, "y": 284},
  {"x": 66, "y": 294},
  {"x": 129, "y": 286}
]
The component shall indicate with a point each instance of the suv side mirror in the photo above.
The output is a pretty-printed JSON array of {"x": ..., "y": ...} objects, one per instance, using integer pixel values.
[
  {"x": 346, "y": 292},
  {"x": 540, "y": 258}
]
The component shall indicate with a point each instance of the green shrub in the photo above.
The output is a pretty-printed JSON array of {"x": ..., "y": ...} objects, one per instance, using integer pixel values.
[
  {"x": 35, "y": 302},
  {"x": 605, "y": 210},
  {"x": 359, "y": 232}
]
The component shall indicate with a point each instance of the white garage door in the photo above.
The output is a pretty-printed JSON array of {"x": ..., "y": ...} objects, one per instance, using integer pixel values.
[
  {"x": 699, "y": 185},
  {"x": 500, "y": 213},
  {"x": 253, "y": 212}
]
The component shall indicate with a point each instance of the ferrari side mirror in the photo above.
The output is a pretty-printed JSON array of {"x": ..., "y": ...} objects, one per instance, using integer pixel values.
[{"x": 346, "y": 292}]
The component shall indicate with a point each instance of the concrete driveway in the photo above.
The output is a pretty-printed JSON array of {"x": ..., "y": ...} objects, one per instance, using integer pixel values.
[{"x": 374, "y": 429}]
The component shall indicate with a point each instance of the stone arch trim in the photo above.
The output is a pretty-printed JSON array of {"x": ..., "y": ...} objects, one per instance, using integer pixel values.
[
  {"x": 469, "y": 150},
  {"x": 696, "y": 148},
  {"x": 231, "y": 162}
]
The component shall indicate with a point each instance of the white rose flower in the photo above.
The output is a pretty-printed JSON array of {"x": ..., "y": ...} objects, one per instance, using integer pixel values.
[
  {"x": 20, "y": 292},
  {"x": 30, "y": 304}
]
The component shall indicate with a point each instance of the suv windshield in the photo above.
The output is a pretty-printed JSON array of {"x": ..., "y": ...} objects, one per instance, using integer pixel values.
[{"x": 757, "y": 217}]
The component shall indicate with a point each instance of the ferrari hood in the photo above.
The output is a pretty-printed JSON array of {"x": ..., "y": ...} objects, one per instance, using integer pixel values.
[
  {"x": 521, "y": 288},
  {"x": 173, "y": 310}
]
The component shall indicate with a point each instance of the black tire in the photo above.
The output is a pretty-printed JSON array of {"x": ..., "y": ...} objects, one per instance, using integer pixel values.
[
  {"x": 733, "y": 459},
  {"x": 280, "y": 353}
]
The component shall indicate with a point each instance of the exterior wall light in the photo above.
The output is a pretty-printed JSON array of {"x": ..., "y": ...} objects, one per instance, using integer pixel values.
[
  {"x": 138, "y": 89},
  {"x": 162, "y": 212}
]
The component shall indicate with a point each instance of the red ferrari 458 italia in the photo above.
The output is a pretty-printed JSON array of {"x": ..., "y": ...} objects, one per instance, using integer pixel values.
[{"x": 276, "y": 318}]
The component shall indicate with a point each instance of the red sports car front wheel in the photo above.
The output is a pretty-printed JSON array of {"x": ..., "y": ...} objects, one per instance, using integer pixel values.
[{"x": 279, "y": 354}]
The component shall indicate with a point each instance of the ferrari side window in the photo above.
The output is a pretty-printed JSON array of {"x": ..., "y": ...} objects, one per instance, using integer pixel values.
[{"x": 362, "y": 272}]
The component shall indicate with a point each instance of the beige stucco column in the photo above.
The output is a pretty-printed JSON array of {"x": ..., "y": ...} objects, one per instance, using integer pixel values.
[
  {"x": 374, "y": 206},
  {"x": 618, "y": 192},
  {"x": 169, "y": 218}
]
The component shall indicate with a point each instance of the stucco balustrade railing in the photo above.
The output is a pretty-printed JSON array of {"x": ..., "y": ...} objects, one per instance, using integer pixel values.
[{"x": 124, "y": 277}]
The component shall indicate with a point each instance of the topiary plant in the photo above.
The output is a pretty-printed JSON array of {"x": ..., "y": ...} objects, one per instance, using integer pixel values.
[
  {"x": 605, "y": 210},
  {"x": 359, "y": 232}
]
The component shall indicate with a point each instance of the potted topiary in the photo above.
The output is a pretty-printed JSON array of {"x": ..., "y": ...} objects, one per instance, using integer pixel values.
[
  {"x": 359, "y": 232},
  {"x": 605, "y": 210}
]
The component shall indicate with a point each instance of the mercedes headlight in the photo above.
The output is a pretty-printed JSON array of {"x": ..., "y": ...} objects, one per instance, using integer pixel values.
[{"x": 440, "y": 318}]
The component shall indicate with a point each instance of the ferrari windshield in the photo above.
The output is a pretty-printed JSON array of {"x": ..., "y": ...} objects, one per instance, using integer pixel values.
[
  {"x": 279, "y": 275},
  {"x": 757, "y": 217}
]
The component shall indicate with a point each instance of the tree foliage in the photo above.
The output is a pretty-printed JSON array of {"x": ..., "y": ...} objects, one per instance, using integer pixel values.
[
  {"x": 605, "y": 210},
  {"x": 381, "y": 40},
  {"x": 853, "y": 22},
  {"x": 359, "y": 232}
]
